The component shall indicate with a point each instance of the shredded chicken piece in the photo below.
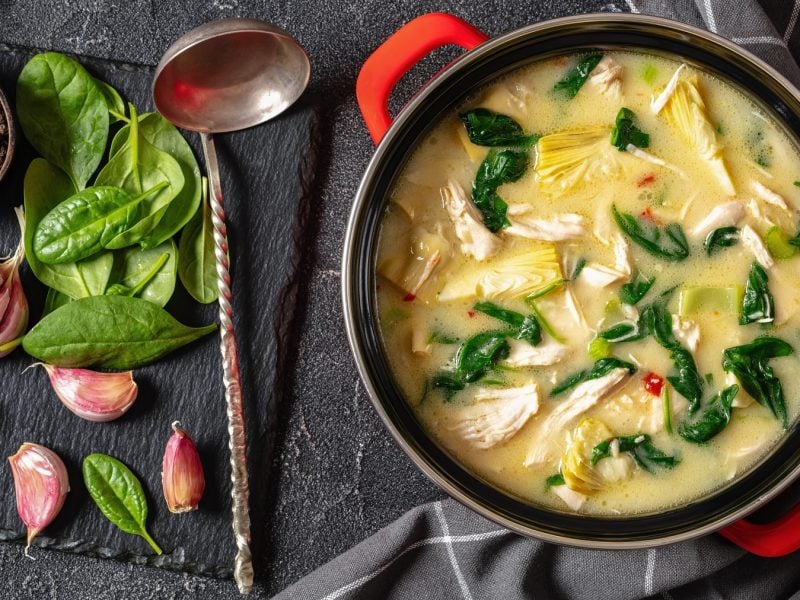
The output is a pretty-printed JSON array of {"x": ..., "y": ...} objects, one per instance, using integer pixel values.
[
  {"x": 768, "y": 196},
  {"x": 497, "y": 416},
  {"x": 598, "y": 275},
  {"x": 726, "y": 214},
  {"x": 752, "y": 241},
  {"x": 556, "y": 229},
  {"x": 575, "y": 500},
  {"x": 607, "y": 78},
  {"x": 658, "y": 103},
  {"x": 653, "y": 159},
  {"x": 523, "y": 354},
  {"x": 687, "y": 331},
  {"x": 622, "y": 255},
  {"x": 574, "y": 308},
  {"x": 583, "y": 397},
  {"x": 475, "y": 238}
]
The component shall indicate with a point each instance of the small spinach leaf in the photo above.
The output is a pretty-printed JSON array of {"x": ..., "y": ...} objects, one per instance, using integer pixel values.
[
  {"x": 554, "y": 481},
  {"x": 488, "y": 128},
  {"x": 495, "y": 170},
  {"x": 724, "y": 237},
  {"x": 114, "y": 102},
  {"x": 641, "y": 449},
  {"x": 757, "y": 303},
  {"x": 713, "y": 419},
  {"x": 473, "y": 359},
  {"x": 147, "y": 274},
  {"x": 63, "y": 114},
  {"x": 113, "y": 332},
  {"x": 196, "y": 262},
  {"x": 621, "y": 332},
  {"x": 749, "y": 363},
  {"x": 669, "y": 244},
  {"x": 625, "y": 132},
  {"x": 574, "y": 79},
  {"x": 635, "y": 290},
  {"x": 118, "y": 494},
  {"x": 527, "y": 327},
  {"x": 600, "y": 368}
]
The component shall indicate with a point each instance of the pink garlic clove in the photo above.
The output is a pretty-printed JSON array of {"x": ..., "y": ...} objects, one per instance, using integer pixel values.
[
  {"x": 41, "y": 485},
  {"x": 182, "y": 476},
  {"x": 93, "y": 395},
  {"x": 13, "y": 303}
]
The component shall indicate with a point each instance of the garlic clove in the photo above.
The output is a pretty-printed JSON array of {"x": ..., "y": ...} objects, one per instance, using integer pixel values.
[
  {"x": 13, "y": 303},
  {"x": 93, "y": 395},
  {"x": 41, "y": 485},
  {"x": 182, "y": 476}
]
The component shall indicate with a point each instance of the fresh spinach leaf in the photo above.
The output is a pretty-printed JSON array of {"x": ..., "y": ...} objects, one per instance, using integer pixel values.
[
  {"x": 526, "y": 327},
  {"x": 600, "y": 368},
  {"x": 749, "y": 363},
  {"x": 112, "y": 332},
  {"x": 713, "y": 419},
  {"x": 495, "y": 170},
  {"x": 488, "y": 128},
  {"x": 118, "y": 494},
  {"x": 196, "y": 262},
  {"x": 641, "y": 449},
  {"x": 138, "y": 166},
  {"x": 162, "y": 134},
  {"x": 45, "y": 187},
  {"x": 114, "y": 102},
  {"x": 724, "y": 237},
  {"x": 635, "y": 290},
  {"x": 63, "y": 114},
  {"x": 473, "y": 359},
  {"x": 554, "y": 481},
  {"x": 54, "y": 300},
  {"x": 758, "y": 305},
  {"x": 147, "y": 274},
  {"x": 621, "y": 332},
  {"x": 86, "y": 223},
  {"x": 574, "y": 79},
  {"x": 669, "y": 244},
  {"x": 625, "y": 132}
]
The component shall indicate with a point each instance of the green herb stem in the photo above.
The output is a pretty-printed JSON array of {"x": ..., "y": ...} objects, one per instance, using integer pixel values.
[{"x": 667, "y": 409}]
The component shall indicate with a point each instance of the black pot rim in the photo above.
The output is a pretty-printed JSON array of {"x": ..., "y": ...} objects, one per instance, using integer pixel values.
[{"x": 713, "y": 53}]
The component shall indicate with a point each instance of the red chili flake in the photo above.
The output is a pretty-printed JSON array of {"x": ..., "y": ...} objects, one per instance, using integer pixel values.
[
  {"x": 653, "y": 383},
  {"x": 648, "y": 215},
  {"x": 646, "y": 180},
  {"x": 471, "y": 313},
  {"x": 409, "y": 297}
]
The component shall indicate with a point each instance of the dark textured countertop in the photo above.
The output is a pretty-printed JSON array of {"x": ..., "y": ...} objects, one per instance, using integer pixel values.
[{"x": 337, "y": 475}]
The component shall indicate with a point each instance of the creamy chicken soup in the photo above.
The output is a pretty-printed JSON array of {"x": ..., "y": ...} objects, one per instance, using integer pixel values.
[{"x": 589, "y": 283}]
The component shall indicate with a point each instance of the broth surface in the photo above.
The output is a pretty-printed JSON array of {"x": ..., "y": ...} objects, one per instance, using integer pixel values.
[{"x": 427, "y": 293}]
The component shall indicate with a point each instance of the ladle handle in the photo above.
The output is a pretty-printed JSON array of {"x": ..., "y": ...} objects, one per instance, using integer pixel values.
[{"x": 240, "y": 493}]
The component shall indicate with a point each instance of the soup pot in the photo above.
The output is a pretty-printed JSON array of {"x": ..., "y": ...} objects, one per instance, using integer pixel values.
[{"x": 483, "y": 61}]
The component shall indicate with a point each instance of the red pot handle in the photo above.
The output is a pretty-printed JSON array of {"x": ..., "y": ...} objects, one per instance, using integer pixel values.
[
  {"x": 779, "y": 538},
  {"x": 392, "y": 59}
]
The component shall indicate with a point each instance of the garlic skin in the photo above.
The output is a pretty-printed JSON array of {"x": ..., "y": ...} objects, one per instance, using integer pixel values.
[
  {"x": 41, "y": 485},
  {"x": 13, "y": 303},
  {"x": 182, "y": 476},
  {"x": 93, "y": 395}
]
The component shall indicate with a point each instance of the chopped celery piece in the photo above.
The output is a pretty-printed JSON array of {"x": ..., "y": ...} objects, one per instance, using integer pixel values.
[
  {"x": 692, "y": 300},
  {"x": 599, "y": 348},
  {"x": 778, "y": 244}
]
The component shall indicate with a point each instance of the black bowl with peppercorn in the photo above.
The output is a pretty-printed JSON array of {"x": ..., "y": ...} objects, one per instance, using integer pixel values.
[{"x": 6, "y": 135}]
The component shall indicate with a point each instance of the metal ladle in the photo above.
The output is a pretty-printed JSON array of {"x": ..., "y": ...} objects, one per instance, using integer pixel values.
[{"x": 226, "y": 76}]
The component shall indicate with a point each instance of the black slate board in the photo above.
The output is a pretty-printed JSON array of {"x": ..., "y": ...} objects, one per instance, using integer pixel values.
[{"x": 266, "y": 173}]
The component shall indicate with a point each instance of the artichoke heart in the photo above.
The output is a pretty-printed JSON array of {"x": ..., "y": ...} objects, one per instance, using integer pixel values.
[
  {"x": 412, "y": 270},
  {"x": 576, "y": 464},
  {"x": 685, "y": 110},
  {"x": 569, "y": 159}
]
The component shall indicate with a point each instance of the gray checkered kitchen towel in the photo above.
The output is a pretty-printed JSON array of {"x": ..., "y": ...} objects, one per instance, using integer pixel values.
[{"x": 445, "y": 551}]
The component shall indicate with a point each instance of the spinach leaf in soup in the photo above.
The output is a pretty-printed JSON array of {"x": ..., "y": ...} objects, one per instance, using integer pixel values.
[
  {"x": 196, "y": 262},
  {"x": 724, "y": 237},
  {"x": 636, "y": 289},
  {"x": 150, "y": 274},
  {"x": 87, "y": 222},
  {"x": 138, "y": 166},
  {"x": 669, "y": 243},
  {"x": 749, "y": 363},
  {"x": 574, "y": 79},
  {"x": 600, "y": 368},
  {"x": 495, "y": 170},
  {"x": 641, "y": 449},
  {"x": 625, "y": 133},
  {"x": 473, "y": 359},
  {"x": 526, "y": 327},
  {"x": 45, "y": 187},
  {"x": 488, "y": 128},
  {"x": 63, "y": 114},
  {"x": 714, "y": 418},
  {"x": 758, "y": 305},
  {"x": 164, "y": 136},
  {"x": 111, "y": 332}
]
